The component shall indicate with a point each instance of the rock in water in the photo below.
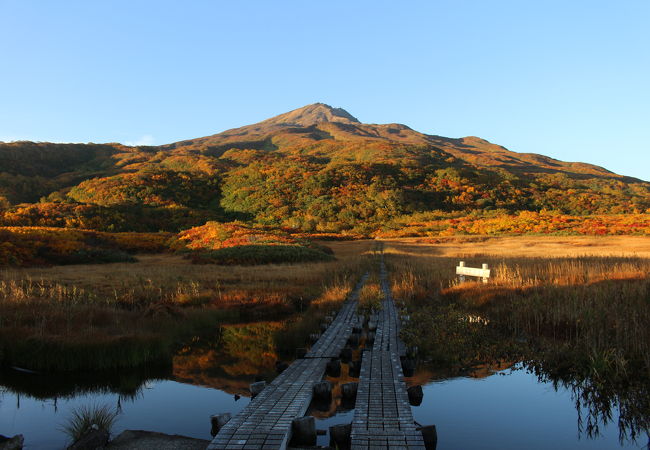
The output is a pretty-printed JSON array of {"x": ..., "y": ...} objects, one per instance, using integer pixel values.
[
  {"x": 93, "y": 440},
  {"x": 13, "y": 443},
  {"x": 137, "y": 439}
]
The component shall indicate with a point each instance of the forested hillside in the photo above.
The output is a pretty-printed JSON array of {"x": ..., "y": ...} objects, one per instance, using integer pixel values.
[{"x": 315, "y": 169}]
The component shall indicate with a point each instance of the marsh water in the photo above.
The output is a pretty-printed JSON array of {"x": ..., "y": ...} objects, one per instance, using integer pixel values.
[{"x": 485, "y": 408}]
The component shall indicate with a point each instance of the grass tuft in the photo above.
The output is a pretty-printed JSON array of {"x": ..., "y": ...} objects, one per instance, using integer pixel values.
[{"x": 87, "y": 418}]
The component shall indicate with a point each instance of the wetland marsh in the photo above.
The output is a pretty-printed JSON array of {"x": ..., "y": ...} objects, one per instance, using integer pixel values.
[{"x": 559, "y": 357}]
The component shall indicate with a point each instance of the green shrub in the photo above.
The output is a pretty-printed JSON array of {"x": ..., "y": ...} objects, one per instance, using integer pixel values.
[
  {"x": 261, "y": 254},
  {"x": 94, "y": 256}
]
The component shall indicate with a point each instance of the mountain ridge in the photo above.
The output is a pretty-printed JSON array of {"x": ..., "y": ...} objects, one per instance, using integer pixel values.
[
  {"x": 316, "y": 168},
  {"x": 323, "y": 121},
  {"x": 320, "y": 121}
]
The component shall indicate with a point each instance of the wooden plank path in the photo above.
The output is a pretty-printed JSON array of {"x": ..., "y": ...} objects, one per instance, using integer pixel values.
[
  {"x": 383, "y": 418},
  {"x": 388, "y": 324},
  {"x": 332, "y": 341},
  {"x": 265, "y": 423}
]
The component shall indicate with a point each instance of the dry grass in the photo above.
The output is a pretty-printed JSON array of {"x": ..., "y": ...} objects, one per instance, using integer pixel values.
[
  {"x": 574, "y": 310},
  {"x": 597, "y": 302},
  {"x": 161, "y": 295},
  {"x": 371, "y": 296},
  {"x": 524, "y": 246},
  {"x": 171, "y": 278}
]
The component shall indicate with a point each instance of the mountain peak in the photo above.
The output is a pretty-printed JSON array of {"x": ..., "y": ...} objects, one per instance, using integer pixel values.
[{"x": 311, "y": 115}]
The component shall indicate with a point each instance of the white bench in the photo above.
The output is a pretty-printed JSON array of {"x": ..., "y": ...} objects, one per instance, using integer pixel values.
[{"x": 462, "y": 272}]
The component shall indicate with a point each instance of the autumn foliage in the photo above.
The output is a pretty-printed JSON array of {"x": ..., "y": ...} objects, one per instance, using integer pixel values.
[
  {"x": 223, "y": 243},
  {"x": 524, "y": 222},
  {"x": 237, "y": 243},
  {"x": 214, "y": 236},
  {"x": 29, "y": 246},
  {"x": 315, "y": 180},
  {"x": 311, "y": 173}
]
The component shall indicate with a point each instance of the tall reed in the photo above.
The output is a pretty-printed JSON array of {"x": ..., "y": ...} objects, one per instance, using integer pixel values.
[
  {"x": 68, "y": 318},
  {"x": 580, "y": 322}
]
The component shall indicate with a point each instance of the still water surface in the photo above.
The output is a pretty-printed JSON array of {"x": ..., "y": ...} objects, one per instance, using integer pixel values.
[
  {"x": 163, "y": 405},
  {"x": 502, "y": 410},
  {"x": 508, "y": 410}
]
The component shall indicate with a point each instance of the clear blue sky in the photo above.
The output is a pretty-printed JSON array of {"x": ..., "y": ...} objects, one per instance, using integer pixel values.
[{"x": 569, "y": 79}]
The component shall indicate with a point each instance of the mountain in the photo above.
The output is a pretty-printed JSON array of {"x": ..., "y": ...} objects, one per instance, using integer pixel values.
[
  {"x": 313, "y": 168},
  {"x": 311, "y": 115},
  {"x": 306, "y": 126}
]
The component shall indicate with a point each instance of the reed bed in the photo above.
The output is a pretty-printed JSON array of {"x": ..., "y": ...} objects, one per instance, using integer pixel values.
[
  {"x": 340, "y": 286},
  {"x": 580, "y": 321},
  {"x": 600, "y": 303},
  {"x": 120, "y": 315}
]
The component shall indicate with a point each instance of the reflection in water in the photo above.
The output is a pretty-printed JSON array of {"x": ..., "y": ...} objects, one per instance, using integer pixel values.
[
  {"x": 164, "y": 406},
  {"x": 622, "y": 397},
  {"x": 127, "y": 384},
  {"x": 231, "y": 362},
  {"x": 535, "y": 409},
  {"x": 600, "y": 404},
  {"x": 337, "y": 405},
  {"x": 509, "y": 410}
]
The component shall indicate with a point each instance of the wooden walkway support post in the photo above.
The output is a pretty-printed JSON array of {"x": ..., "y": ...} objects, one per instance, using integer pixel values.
[
  {"x": 383, "y": 418},
  {"x": 277, "y": 411}
]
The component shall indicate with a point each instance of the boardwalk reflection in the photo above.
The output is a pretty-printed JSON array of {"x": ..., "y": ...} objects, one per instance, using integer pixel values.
[{"x": 239, "y": 354}]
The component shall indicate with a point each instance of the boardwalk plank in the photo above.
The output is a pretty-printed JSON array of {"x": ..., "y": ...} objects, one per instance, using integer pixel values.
[
  {"x": 383, "y": 418},
  {"x": 266, "y": 421}
]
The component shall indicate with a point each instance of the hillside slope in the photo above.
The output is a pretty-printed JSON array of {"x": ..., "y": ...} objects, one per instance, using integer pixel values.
[
  {"x": 304, "y": 127},
  {"x": 316, "y": 168}
]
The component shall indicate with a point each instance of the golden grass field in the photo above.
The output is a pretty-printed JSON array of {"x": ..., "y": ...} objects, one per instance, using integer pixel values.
[
  {"x": 123, "y": 299},
  {"x": 152, "y": 304},
  {"x": 524, "y": 246},
  {"x": 574, "y": 310},
  {"x": 172, "y": 271},
  {"x": 172, "y": 278},
  {"x": 581, "y": 305}
]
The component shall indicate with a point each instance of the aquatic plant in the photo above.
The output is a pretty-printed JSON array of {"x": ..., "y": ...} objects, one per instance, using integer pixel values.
[{"x": 86, "y": 418}]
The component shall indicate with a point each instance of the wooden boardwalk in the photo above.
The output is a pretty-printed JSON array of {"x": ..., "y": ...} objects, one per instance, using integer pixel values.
[
  {"x": 382, "y": 416},
  {"x": 265, "y": 423},
  {"x": 388, "y": 322},
  {"x": 332, "y": 341}
]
